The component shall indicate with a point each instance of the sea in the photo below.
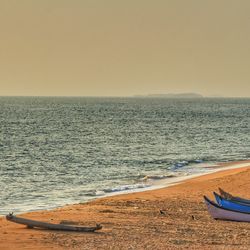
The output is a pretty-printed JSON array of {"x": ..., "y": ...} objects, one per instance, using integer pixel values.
[{"x": 63, "y": 150}]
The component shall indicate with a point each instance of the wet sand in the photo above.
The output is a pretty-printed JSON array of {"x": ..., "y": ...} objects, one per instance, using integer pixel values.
[{"x": 169, "y": 218}]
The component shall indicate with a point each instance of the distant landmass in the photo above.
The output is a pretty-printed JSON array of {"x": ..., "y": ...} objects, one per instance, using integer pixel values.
[{"x": 181, "y": 95}]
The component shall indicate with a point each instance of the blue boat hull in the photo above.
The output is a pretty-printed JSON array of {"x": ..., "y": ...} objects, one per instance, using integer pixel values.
[
  {"x": 230, "y": 197},
  {"x": 234, "y": 206}
]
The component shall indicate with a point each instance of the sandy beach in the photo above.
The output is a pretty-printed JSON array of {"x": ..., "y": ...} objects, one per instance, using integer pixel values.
[{"x": 134, "y": 221}]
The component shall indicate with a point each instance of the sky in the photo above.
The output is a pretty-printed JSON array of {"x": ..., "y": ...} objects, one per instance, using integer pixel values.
[{"x": 124, "y": 48}]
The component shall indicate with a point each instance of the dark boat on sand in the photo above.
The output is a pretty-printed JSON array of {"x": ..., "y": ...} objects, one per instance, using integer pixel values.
[{"x": 44, "y": 225}]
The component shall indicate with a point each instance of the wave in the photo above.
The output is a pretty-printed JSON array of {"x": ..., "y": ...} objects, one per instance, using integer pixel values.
[
  {"x": 185, "y": 163},
  {"x": 94, "y": 193},
  {"x": 126, "y": 187},
  {"x": 160, "y": 177}
]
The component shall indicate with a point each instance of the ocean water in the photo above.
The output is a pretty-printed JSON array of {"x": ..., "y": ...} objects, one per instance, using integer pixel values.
[{"x": 55, "y": 151}]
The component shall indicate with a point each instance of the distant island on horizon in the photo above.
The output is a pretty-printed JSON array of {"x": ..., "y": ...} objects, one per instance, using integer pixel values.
[{"x": 171, "y": 95}]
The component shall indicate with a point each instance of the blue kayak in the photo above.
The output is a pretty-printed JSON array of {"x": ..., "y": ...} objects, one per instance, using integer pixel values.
[
  {"x": 227, "y": 204},
  {"x": 230, "y": 197}
]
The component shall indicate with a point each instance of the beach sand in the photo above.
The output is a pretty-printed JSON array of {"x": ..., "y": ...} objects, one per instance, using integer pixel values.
[{"x": 134, "y": 221}]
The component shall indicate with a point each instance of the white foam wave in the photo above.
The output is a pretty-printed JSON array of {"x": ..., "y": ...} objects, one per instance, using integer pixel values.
[{"x": 126, "y": 187}]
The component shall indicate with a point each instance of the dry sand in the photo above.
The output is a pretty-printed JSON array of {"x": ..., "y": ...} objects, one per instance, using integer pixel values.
[{"x": 134, "y": 221}]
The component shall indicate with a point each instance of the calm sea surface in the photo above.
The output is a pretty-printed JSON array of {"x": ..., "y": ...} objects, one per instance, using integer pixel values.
[{"x": 55, "y": 151}]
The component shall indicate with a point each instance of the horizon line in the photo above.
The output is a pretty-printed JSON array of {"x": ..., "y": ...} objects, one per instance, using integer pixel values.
[{"x": 159, "y": 96}]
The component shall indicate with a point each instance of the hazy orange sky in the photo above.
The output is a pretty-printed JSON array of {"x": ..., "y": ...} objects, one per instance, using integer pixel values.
[{"x": 120, "y": 48}]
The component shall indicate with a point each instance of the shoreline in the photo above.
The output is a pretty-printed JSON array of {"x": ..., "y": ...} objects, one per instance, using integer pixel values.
[
  {"x": 150, "y": 184},
  {"x": 164, "y": 183},
  {"x": 172, "y": 181},
  {"x": 133, "y": 219}
]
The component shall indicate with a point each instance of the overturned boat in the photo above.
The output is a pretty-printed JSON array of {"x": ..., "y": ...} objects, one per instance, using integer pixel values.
[
  {"x": 44, "y": 225},
  {"x": 218, "y": 212}
]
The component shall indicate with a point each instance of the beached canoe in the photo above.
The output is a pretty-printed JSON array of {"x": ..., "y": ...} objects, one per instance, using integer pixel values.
[
  {"x": 228, "y": 196},
  {"x": 240, "y": 207},
  {"x": 221, "y": 213},
  {"x": 45, "y": 225}
]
